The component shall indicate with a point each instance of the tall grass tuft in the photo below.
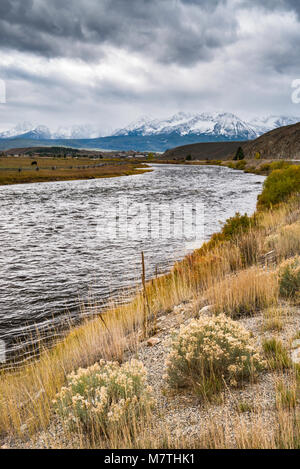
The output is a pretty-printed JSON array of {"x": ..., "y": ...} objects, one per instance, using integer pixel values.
[
  {"x": 245, "y": 293},
  {"x": 276, "y": 354}
]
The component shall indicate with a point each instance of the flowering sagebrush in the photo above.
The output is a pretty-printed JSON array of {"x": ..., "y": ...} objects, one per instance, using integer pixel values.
[
  {"x": 209, "y": 352},
  {"x": 104, "y": 397}
]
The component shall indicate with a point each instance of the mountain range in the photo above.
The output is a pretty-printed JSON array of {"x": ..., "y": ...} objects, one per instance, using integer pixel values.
[
  {"x": 148, "y": 134},
  {"x": 214, "y": 125},
  {"x": 40, "y": 132}
]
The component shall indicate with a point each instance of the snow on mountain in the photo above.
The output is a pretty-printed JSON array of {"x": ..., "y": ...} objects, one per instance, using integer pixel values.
[
  {"x": 28, "y": 130},
  {"x": 265, "y": 124},
  {"x": 38, "y": 133},
  {"x": 210, "y": 124},
  {"x": 19, "y": 129},
  {"x": 76, "y": 131}
]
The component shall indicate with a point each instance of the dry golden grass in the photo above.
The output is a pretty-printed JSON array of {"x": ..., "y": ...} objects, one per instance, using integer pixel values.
[
  {"x": 217, "y": 275},
  {"x": 60, "y": 169},
  {"x": 274, "y": 319},
  {"x": 245, "y": 293},
  {"x": 26, "y": 395}
]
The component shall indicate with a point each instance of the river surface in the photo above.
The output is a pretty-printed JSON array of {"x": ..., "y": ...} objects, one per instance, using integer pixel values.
[{"x": 64, "y": 243}]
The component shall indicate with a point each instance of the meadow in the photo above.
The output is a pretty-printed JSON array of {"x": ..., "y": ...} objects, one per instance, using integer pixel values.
[{"x": 22, "y": 170}]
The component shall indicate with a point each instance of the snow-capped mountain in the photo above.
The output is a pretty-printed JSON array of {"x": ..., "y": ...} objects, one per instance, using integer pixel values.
[
  {"x": 28, "y": 130},
  {"x": 38, "y": 133},
  {"x": 264, "y": 124},
  {"x": 217, "y": 125},
  {"x": 19, "y": 129},
  {"x": 76, "y": 131},
  {"x": 181, "y": 127}
]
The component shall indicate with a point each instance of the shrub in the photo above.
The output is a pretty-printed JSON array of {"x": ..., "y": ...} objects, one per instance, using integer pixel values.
[
  {"x": 269, "y": 167},
  {"x": 240, "y": 164},
  {"x": 250, "y": 169},
  {"x": 279, "y": 185},
  {"x": 104, "y": 397},
  {"x": 236, "y": 225},
  {"x": 264, "y": 168},
  {"x": 232, "y": 228},
  {"x": 289, "y": 279},
  {"x": 208, "y": 352},
  {"x": 280, "y": 164}
]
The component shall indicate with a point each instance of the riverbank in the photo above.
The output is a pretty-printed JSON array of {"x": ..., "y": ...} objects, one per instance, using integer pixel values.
[
  {"x": 259, "y": 167},
  {"x": 237, "y": 273},
  {"x": 25, "y": 170}
]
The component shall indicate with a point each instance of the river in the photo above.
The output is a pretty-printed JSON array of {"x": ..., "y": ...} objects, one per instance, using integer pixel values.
[{"x": 63, "y": 243}]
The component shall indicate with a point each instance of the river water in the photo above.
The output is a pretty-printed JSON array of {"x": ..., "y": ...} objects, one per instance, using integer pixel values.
[{"x": 67, "y": 242}]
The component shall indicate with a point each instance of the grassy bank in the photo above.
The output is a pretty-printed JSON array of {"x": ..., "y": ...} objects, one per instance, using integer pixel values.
[
  {"x": 24, "y": 170},
  {"x": 239, "y": 272},
  {"x": 260, "y": 167}
]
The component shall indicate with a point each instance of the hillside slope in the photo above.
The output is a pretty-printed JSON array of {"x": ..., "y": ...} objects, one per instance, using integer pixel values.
[
  {"x": 204, "y": 151},
  {"x": 282, "y": 143}
]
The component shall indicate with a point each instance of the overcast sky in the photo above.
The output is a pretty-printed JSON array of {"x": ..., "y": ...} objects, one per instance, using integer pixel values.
[{"x": 107, "y": 62}]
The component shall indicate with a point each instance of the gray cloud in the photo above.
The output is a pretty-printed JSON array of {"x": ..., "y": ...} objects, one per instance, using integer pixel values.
[
  {"x": 123, "y": 58},
  {"x": 180, "y": 31},
  {"x": 169, "y": 31},
  {"x": 271, "y": 5}
]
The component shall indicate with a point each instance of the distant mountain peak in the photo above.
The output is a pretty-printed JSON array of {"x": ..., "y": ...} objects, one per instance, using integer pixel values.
[
  {"x": 206, "y": 124},
  {"x": 40, "y": 132},
  {"x": 182, "y": 123},
  {"x": 188, "y": 126}
]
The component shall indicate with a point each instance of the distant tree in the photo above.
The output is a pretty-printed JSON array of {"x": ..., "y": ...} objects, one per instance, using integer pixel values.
[
  {"x": 257, "y": 155},
  {"x": 239, "y": 154},
  {"x": 189, "y": 158},
  {"x": 34, "y": 163}
]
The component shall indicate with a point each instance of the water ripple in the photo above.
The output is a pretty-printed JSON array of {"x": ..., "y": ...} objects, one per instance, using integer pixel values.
[{"x": 50, "y": 255}]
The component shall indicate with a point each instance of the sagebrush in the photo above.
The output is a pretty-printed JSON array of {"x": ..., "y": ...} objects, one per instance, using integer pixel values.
[
  {"x": 210, "y": 352},
  {"x": 104, "y": 398}
]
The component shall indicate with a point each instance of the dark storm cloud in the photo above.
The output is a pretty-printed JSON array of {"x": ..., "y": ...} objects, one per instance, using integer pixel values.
[
  {"x": 146, "y": 57},
  {"x": 180, "y": 31}
]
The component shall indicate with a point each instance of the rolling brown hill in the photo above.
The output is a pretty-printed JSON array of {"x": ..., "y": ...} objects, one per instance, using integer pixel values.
[
  {"x": 204, "y": 151},
  {"x": 281, "y": 143}
]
